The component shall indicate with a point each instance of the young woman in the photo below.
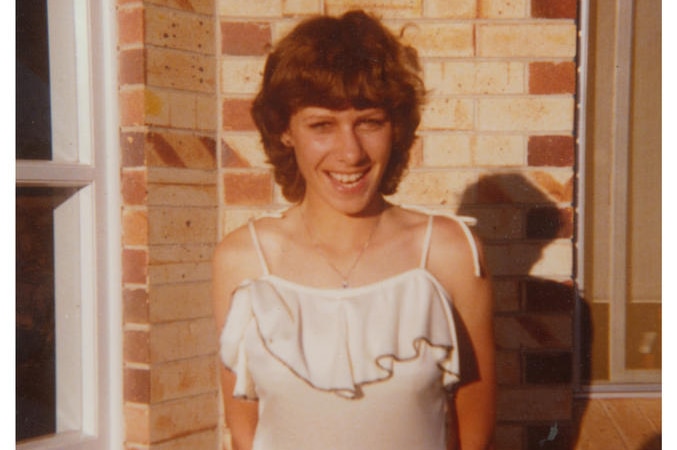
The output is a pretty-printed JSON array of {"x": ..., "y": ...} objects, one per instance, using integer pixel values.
[{"x": 347, "y": 322}]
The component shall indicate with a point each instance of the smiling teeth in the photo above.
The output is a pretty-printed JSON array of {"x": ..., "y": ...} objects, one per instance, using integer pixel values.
[{"x": 346, "y": 178}]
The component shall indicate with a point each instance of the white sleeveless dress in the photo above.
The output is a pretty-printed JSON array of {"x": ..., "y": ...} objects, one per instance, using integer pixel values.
[{"x": 345, "y": 369}]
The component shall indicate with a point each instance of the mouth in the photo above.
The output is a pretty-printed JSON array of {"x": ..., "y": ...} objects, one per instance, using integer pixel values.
[{"x": 348, "y": 180}]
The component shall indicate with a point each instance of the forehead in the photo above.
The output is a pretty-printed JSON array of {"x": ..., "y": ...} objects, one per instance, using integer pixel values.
[{"x": 319, "y": 111}]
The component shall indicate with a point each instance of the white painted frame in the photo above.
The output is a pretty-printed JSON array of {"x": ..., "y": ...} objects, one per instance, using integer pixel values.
[{"x": 83, "y": 37}]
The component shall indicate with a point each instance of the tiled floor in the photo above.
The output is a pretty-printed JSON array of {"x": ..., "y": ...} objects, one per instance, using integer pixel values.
[{"x": 619, "y": 424}]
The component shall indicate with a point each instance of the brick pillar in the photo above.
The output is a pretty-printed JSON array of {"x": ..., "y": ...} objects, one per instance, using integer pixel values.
[{"x": 169, "y": 215}]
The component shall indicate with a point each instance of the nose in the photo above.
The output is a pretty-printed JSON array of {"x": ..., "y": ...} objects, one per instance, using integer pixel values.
[{"x": 350, "y": 148}]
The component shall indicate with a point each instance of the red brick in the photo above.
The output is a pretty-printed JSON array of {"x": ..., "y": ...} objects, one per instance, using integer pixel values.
[
  {"x": 248, "y": 188},
  {"x": 134, "y": 187},
  {"x": 236, "y": 116},
  {"x": 554, "y": 9},
  {"x": 132, "y": 146},
  {"x": 136, "y": 306},
  {"x": 136, "y": 346},
  {"x": 134, "y": 266},
  {"x": 245, "y": 38},
  {"x": 557, "y": 151},
  {"x": 130, "y": 26},
  {"x": 552, "y": 78},
  {"x": 132, "y": 66},
  {"x": 137, "y": 385}
]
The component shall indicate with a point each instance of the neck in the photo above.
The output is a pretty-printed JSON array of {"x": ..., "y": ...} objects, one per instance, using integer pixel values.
[{"x": 339, "y": 231}]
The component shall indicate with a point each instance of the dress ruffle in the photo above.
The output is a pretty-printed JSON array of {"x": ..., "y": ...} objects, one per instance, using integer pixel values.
[{"x": 340, "y": 340}]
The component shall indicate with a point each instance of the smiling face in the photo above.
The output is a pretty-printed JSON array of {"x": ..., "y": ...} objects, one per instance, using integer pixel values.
[{"x": 342, "y": 155}]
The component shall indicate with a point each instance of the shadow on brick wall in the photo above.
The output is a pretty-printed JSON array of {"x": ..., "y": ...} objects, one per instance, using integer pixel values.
[{"x": 535, "y": 297}]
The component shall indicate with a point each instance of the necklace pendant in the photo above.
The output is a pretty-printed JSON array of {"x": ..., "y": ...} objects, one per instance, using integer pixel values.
[{"x": 344, "y": 284}]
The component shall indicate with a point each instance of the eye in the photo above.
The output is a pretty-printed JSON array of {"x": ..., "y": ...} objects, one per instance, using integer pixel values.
[
  {"x": 372, "y": 123},
  {"x": 320, "y": 125}
]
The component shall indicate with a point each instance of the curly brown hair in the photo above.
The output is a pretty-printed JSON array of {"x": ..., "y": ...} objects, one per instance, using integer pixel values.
[{"x": 337, "y": 63}]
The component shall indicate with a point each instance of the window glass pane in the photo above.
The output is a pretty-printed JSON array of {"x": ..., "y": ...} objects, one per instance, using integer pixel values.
[
  {"x": 33, "y": 124},
  {"x": 35, "y": 302}
]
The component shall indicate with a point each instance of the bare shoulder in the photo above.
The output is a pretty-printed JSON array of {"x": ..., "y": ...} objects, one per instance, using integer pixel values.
[
  {"x": 456, "y": 254},
  {"x": 234, "y": 261}
]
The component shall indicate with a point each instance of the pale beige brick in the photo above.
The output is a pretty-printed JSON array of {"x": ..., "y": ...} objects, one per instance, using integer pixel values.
[
  {"x": 459, "y": 77},
  {"x": 241, "y": 75},
  {"x": 137, "y": 422},
  {"x": 514, "y": 258},
  {"x": 250, "y": 8},
  {"x": 183, "y": 378},
  {"x": 178, "y": 418},
  {"x": 248, "y": 148},
  {"x": 383, "y": 8},
  {"x": 505, "y": 222},
  {"x": 556, "y": 260},
  {"x": 553, "y": 114},
  {"x": 439, "y": 39},
  {"x": 181, "y": 175},
  {"x": 179, "y": 272},
  {"x": 172, "y": 253},
  {"x": 183, "y": 339},
  {"x": 198, "y": 6},
  {"x": 427, "y": 187},
  {"x": 534, "y": 403},
  {"x": 177, "y": 69},
  {"x": 556, "y": 183},
  {"x": 447, "y": 150},
  {"x": 503, "y": 9},
  {"x": 177, "y": 29},
  {"x": 180, "y": 301},
  {"x": 553, "y": 40},
  {"x": 500, "y": 150},
  {"x": 181, "y": 195},
  {"x": 178, "y": 225},
  {"x": 448, "y": 114},
  {"x": 206, "y": 112},
  {"x": 458, "y": 9},
  {"x": 182, "y": 110},
  {"x": 156, "y": 107},
  {"x": 233, "y": 218},
  {"x": 301, "y": 7},
  {"x": 208, "y": 439}
]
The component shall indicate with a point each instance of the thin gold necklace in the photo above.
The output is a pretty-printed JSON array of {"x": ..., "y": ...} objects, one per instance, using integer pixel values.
[{"x": 345, "y": 277}]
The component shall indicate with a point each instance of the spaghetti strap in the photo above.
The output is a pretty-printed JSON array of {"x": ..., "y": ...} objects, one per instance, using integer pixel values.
[
  {"x": 426, "y": 242},
  {"x": 472, "y": 243},
  {"x": 462, "y": 222},
  {"x": 257, "y": 246}
]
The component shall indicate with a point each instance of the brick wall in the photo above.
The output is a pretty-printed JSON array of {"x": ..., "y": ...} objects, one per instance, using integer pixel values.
[
  {"x": 168, "y": 135},
  {"x": 496, "y": 142}
]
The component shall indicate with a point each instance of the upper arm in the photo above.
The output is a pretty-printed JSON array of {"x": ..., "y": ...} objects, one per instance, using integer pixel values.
[
  {"x": 452, "y": 262},
  {"x": 231, "y": 264}
]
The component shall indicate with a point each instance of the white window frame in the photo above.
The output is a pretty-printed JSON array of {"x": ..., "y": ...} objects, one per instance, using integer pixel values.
[{"x": 85, "y": 148}]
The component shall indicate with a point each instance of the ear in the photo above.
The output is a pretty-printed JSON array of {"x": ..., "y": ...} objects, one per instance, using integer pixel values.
[{"x": 286, "y": 140}]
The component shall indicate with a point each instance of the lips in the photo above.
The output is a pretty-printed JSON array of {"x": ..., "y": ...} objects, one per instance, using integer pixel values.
[{"x": 348, "y": 180}]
